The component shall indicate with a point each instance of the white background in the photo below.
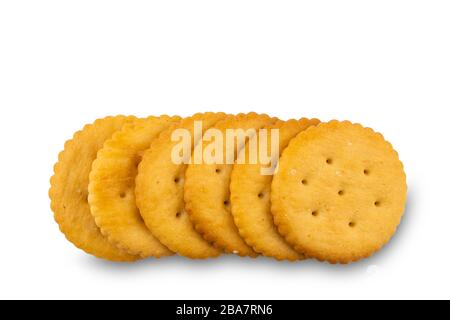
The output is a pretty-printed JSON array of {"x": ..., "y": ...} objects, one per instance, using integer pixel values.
[{"x": 385, "y": 64}]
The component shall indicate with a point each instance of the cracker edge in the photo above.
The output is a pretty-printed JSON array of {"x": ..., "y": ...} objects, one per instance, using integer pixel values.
[
  {"x": 165, "y": 134},
  {"x": 244, "y": 231},
  {"x": 189, "y": 194},
  {"x": 51, "y": 193},
  {"x": 127, "y": 128}
]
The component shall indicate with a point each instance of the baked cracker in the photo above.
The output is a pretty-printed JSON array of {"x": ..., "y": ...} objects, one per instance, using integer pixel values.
[
  {"x": 69, "y": 190},
  {"x": 339, "y": 193},
  {"x": 112, "y": 183},
  {"x": 160, "y": 190},
  {"x": 250, "y": 196},
  {"x": 207, "y": 191}
]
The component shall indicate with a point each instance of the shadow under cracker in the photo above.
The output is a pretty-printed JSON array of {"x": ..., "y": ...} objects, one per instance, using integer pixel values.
[{"x": 261, "y": 263}]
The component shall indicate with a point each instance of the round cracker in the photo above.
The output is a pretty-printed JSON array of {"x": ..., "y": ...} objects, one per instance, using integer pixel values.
[
  {"x": 250, "y": 197},
  {"x": 112, "y": 184},
  {"x": 340, "y": 192},
  {"x": 160, "y": 189},
  {"x": 207, "y": 191},
  {"x": 69, "y": 190}
]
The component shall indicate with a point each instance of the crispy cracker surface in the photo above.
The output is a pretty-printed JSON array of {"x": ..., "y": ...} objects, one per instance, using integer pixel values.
[
  {"x": 69, "y": 190},
  {"x": 112, "y": 187},
  {"x": 160, "y": 190},
  {"x": 250, "y": 197},
  {"x": 207, "y": 191},
  {"x": 340, "y": 192}
]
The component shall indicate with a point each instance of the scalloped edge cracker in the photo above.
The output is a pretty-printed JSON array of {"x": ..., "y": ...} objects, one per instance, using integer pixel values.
[
  {"x": 250, "y": 196},
  {"x": 69, "y": 190},
  {"x": 340, "y": 192},
  {"x": 112, "y": 187},
  {"x": 207, "y": 190},
  {"x": 160, "y": 190}
]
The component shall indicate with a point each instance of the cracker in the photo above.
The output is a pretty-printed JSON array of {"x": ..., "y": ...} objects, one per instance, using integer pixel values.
[
  {"x": 69, "y": 190},
  {"x": 160, "y": 189},
  {"x": 340, "y": 192},
  {"x": 207, "y": 192},
  {"x": 112, "y": 184},
  {"x": 250, "y": 197}
]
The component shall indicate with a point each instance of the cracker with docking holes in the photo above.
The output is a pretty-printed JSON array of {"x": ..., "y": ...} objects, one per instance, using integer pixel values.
[
  {"x": 69, "y": 190},
  {"x": 160, "y": 190},
  {"x": 339, "y": 193},
  {"x": 112, "y": 185},
  {"x": 250, "y": 193},
  {"x": 207, "y": 187}
]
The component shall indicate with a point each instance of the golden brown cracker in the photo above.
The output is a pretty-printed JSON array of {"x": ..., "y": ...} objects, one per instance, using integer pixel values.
[
  {"x": 160, "y": 190},
  {"x": 69, "y": 189},
  {"x": 340, "y": 192},
  {"x": 112, "y": 184},
  {"x": 207, "y": 191},
  {"x": 250, "y": 196}
]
